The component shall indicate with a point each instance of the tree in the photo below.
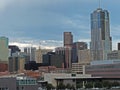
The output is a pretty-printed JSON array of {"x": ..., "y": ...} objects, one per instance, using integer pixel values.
[
  {"x": 89, "y": 85},
  {"x": 71, "y": 87},
  {"x": 61, "y": 86},
  {"x": 115, "y": 84},
  {"x": 79, "y": 85},
  {"x": 50, "y": 86},
  {"x": 106, "y": 84},
  {"x": 68, "y": 86},
  {"x": 98, "y": 85}
]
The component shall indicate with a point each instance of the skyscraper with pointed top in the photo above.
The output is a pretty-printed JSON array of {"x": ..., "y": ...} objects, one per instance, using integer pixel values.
[{"x": 101, "y": 42}]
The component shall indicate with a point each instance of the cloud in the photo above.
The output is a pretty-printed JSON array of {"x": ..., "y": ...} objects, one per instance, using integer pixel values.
[
  {"x": 35, "y": 21},
  {"x": 44, "y": 44},
  {"x": 5, "y": 3}
]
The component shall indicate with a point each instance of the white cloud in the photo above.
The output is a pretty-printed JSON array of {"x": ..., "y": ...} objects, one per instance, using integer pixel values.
[{"x": 44, "y": 44}]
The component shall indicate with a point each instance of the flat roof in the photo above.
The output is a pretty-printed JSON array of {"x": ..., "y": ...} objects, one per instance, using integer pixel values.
[
  {"x": 58, "y": 78},
  {"x": 100, "y": 62}
]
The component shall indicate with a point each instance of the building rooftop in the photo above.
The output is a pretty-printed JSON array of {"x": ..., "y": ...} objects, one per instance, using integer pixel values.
[{"x": 100, "y": 62}]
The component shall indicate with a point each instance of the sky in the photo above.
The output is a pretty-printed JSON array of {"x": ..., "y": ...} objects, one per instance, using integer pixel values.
[{"x": 42, "y": 22}]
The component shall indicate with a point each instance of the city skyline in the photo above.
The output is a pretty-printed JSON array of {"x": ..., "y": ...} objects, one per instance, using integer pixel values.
[{"x": 43, "y": 22}]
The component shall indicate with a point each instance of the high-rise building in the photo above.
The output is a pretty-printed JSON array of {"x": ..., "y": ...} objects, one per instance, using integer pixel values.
[
  {"x": 39, "y": 53},
  {"x": 31, "y": 52},
  {"x": 53, "y": 59},
  {"x": 75, "y": 48},
  {"x": 68, "y": 41},
  {"x": 114, "y": 55},
  {"x": 13, "y": 49},
  {"x": 118, "y": 46},
  {"x": 101, "y": 42},
  {"x": 4, "y": 51},
  {"x": 84, "y": 57}
]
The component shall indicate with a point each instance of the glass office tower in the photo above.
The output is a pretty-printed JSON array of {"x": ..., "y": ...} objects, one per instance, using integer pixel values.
[{"x": 101, "y": 42}]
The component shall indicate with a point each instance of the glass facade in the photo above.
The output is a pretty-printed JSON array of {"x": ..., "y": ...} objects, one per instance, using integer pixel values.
[
  {"x": 100, "y": 34},
  {"x": 26, "y": 81}
]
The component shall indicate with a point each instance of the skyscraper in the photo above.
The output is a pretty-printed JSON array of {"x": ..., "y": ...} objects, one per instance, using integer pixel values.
[
  {"x": 118, "y": 46},
  {"x": 31, "y": 52},
  {"x": 68, "y": 41},
  {"x": 101, "y": 42},
  {"x": 4, "y": 52},
  {"x": 75, "y": 48}
]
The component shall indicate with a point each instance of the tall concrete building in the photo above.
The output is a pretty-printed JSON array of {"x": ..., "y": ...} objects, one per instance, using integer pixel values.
[
  {"x": 31, "y": 52},
  {"x": 75, "y": 48},
  {"x": 101, "y": 42},
  {"x": 39, "y": 53},
  {"x": 68, "y": 41},
  {"x": 84, "y": 57},
  {"x": 13, "y": 49},
  {"x": 4, "y": 51},
  {"x": 118, "y": 46},
  {"x": 114, "y": 55}
]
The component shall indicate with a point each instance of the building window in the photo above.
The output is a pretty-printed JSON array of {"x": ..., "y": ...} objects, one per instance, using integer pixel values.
[{"x": 73, "y": 75}]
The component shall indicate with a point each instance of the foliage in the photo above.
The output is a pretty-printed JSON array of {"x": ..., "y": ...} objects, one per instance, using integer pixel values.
[
  {"x": 50, "y": 86},
  {"x": 61, "y": 86},
  {"x": 115, "y": 84},
  {"x": 89, "y": 85},
  {"x": 68, "y": 86},
  {"x": 80, "y": 85},
  {"x": 72, "y": 87},
  {"x": 98, "y": 85},
  {"x": 106, "y": 84}
]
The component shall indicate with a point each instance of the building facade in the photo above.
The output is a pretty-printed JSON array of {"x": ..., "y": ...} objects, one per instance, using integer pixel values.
[
  {"x": 76, "y": 47},
  {"x": 113, "y": 55},
  {"x": 4, "y": 51},
  {"x": 104, "y": 69},
  {"x": 18, "y": 83},
  {"x": 31, "y": 52},
  {"x": 84, "y": 57},
  {"x": 101, "y": 42},
  {"x": 68, "y": 41},
  {"x": 39, "y": 53},
  {"x": 78, "y": 68},
  {"x": 14, "y": 49},
  {"x": 118, "y": 46},
  {"x": 52, "y": 59}
]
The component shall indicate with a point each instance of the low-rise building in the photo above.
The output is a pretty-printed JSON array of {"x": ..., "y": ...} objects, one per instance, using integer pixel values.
[
  {"x": 104, "y": 69},
  {"x": 56, "y": 78},
  {"x": 18, "y": 83}
]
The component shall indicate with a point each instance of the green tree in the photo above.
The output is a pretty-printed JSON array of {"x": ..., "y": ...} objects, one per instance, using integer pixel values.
[
  {"x": 61, "y": 86},
  {"x": 68, "y": 86},
  {"x": 50, "y": 86},
  {"x": 89, "y": 85},
  {"x": 106, "y": 84},
  {"x": 115, "y": 84},
  {"x": 72, "y": 87},
  {"x": 98, "y": 84},
  {"x": 79, "y": 85}
]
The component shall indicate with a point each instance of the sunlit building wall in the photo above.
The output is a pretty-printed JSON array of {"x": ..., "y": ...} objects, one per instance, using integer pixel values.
[{"x": 4, "y": 51}]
